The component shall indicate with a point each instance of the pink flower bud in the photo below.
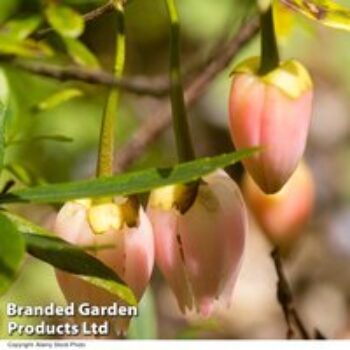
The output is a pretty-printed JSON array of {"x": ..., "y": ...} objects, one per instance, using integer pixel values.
[
  {"x": 282, "y": 215},
  {"x": 271, "y": 111},
  {"x": 199, "y": 252},
  {"x": 129, "y": 251}
]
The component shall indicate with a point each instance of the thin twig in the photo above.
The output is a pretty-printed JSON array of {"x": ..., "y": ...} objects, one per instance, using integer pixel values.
[
  {"x": 285, "y": 298},
  {"x": 156, "y": 87},
  {"x": 90, "y": 16},
  {"x": 154, "y": 125},
  {"x": 108, "y": 7},
  {"x": 138, "y": 85},
  {"x": 8, "y": 185}
]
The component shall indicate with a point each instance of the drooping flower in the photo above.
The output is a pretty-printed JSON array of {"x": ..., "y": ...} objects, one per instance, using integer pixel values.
[
  {"x": 272, "y": 111},
  {"x": 199, "y": 251},
  {"x": 123, "y": 239},
  {"x": 282, "y": 215}
]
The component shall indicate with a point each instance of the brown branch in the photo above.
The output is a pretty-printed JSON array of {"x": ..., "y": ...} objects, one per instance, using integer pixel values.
[
  {"x": 90, "y": 16},
  {"x": 99, "y": 11},
  {"x": 285, "y": 298},
  {"x": 154, "y": 125},
  {"x": 157, "y": 87}
]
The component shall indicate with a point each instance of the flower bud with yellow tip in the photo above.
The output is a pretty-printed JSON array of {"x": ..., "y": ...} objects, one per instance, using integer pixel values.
[
  {"x": 272, "y": 111},
  {"x": 123, "y": 237},
  {"x": 199, "y": 250}
]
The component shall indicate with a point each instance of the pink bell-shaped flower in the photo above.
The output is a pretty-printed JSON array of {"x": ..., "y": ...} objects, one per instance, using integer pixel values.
[
  {"x": 282, "y": 215},
  {"x": 200, "y": 251},
  {"x": 272, "y": 111},
  {"x": 126, "y": 247}
]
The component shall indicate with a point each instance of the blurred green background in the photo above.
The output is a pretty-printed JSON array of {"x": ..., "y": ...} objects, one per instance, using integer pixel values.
[{"x": 318, "y": 265}]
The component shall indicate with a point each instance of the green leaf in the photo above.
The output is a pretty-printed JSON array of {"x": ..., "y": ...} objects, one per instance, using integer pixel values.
[
  {"x": 23, "y": 174},
  {"x": 11, "y": 252},
  {"x": 58, "y": 98},
  {"x": 126, "y": 184},
  {"x": 120, "y": 290},
  {"x": 81, "y": 54},
  {"x": 4, "y": 100},
  {"x": 73, "y": 259},
  {"x": 24, "y": 48},
  {"x": 326, "y": 12},
  {"x": 145, "y": 325},
  {"x": 64, "y": 20},
  {"x": 65, "y": 256},
  {"x": 21, "y": 28},
  {"x": 23, "y": 225},
  {"x": 56, "y": 138}
]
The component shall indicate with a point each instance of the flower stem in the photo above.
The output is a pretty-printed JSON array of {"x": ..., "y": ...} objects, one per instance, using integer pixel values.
[
  {"x": 269, "y": 49},
  {"x": 180, "y": 123},
  {"x": 106, "y": 146}
]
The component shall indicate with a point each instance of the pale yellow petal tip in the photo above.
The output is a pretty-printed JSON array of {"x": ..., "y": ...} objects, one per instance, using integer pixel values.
[
  {"x": 180, "y": 197},
  {"x": 85, "y": 202},
  {"x": 291, "y": 77},
  {"x": 104, "y": 217},
  {"x": 166, "y": 197}
]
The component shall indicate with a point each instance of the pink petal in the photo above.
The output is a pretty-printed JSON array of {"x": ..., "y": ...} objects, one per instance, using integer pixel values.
[
  {"x": 131, "y": 251},
  {"x": 200, "y": 252},
  {"x": 133, "y": 254},
  {"x": 262, "y": 115},
  {"x": 169, "y": 253},
  {"x": 213, "y": 235}
]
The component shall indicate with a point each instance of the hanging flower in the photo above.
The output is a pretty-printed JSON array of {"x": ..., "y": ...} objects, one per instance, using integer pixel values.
[
  {"x": 123, "y": 239},
  {"x": 282, "y": 215},
  {"x": 199, "y": 250},
  {"x": 272, "y": 111}
]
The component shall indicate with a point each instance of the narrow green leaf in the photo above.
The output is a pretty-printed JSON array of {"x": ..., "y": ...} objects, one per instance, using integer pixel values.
[
  {"x": 11, "y": 253},
  {"x": 326, "y": 12},
  {"x": 21, "y": 28},
  {"x": 73, "y": 259},
  {"x": 4, "y": 100},
  {"x": 145, "y": 325},
  {"x": 24, "y": 174},
  {"x": 126, "y": 184},
  {"x": 24, "y": 225},
  {"x": 66, "y": 256},
  {"x": 96, "y": 248},
  {"x": 64, "y": 20},
  {"x": 58, "y": 98},
  {"x": 56, "y": 138},
  {"x": 23, "y": 48},
  {"x": 81, "y": 54},
  {"x": 120, "y": 290},
  {"x": 43, "y": 245}
]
